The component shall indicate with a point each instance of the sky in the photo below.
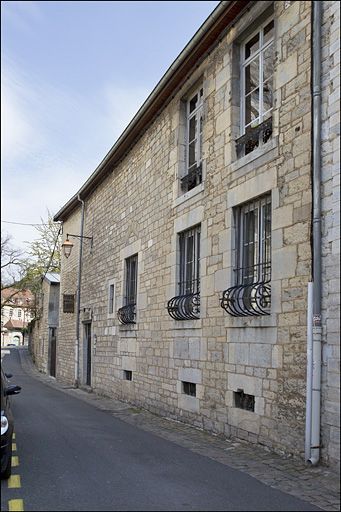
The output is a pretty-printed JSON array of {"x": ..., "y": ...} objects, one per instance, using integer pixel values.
[{"x": 73, "y": 74}]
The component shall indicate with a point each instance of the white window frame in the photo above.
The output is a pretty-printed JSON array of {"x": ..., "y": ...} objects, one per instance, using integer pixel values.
[
  {"x": 197, "y": 112},
  {"x": 243, "y": 64}
]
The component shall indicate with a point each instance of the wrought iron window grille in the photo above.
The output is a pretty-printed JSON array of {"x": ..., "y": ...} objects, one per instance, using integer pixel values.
[
  {"x": 127, "y": 314},
  {"x": 184, "y": 307},
  {"x": 192, "y": 179},
  {"x": 253, "y": 296},
  {"x": 253, "y": 138}
]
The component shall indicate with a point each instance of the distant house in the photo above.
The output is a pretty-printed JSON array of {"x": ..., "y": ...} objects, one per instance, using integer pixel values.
[
  {"x": 43, "y": 331},
  {"x": 17, "y": 310}
]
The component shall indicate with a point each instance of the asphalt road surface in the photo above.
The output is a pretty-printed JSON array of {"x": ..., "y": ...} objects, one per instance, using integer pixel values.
[{"x": 73, "y": 456}]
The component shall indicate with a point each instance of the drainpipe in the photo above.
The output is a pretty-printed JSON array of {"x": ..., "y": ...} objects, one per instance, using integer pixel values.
[
  {"x": 79, "y": 295},
  {"x": 314, "y": 351}
]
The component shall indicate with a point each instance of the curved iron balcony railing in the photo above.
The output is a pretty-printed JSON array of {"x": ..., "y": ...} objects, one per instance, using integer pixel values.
[
  {"x": 251, "y": 139},
  {"x": 127, "y": 314},
  {"x": 250, "y": 299},
  {"x": 192, "y": 179},
  {"x": 184, "y": 307}
]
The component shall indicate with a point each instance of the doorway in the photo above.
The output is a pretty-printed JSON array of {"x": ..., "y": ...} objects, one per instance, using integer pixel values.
[
  {"x": 53, "y": 350},
  {"x": 87, "y": 353}
]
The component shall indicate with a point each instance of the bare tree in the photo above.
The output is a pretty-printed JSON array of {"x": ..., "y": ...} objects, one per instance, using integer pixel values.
[{"x": 12, "y": 269}]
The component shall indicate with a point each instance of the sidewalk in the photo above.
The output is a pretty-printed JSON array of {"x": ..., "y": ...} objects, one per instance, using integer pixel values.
[{"x": 317, "y": 485}]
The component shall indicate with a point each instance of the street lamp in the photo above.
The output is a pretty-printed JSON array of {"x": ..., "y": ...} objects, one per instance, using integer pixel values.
[{"x": 67, "y": 245}]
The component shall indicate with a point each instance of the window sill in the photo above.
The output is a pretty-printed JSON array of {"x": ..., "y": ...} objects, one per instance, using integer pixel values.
[
  {"x": 251, "y": 321},
  {"x": 187, "y": 324},
  {"x": 267, "y": 150},
  {"x": 128, "y": 327},
  {"x": 188, "y": 195}
]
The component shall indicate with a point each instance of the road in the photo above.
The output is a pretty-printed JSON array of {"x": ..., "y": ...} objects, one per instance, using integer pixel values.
[{"x": 73, "y": 456}]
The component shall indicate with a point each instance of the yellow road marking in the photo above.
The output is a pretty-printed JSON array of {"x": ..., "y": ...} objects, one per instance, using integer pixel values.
[
  {"x": 15, "y": 505},
  {"x": 14, "y": 447},
  {"x": 15, "y": 461},
  {"x": 13, "y": 435},
  {"x": 14, "y": 482}
]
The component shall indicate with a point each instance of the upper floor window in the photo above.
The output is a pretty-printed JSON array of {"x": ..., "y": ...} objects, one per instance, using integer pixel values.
[
  {"x": 186, "y": 305},
  {"x": 127, "y": 314},
  {"x": 251, "y": 293},
  {"x": 257, "y": 68},
  {"x": 11, "y": 312},
  {"x": 193, "y": 150},
  {"x": 19, "y": 313}
]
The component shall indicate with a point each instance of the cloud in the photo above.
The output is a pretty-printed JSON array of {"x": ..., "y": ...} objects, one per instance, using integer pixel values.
[{"x": 52, "y": 140}]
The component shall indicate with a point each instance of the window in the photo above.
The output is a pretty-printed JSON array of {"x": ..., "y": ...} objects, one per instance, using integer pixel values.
[
  {"x": 68, "y": 303},
  {"x": 189, "y": 244},
  {"x": 251, "y": 294},
  {"x": 186, "y": 305},
  {"x": 19, "y": 313},
  {"x": 189, "y": 388},
  {"x": 111, "y": 298},
  {"x": 11, "y": 312},
  {"x": 128, "y": 374},
  {"x": 257, "y": 67},
  {"x": 194, "y": 117},
  {"x": 244, "y": 401},
  {"x": 127, "y": 314}
]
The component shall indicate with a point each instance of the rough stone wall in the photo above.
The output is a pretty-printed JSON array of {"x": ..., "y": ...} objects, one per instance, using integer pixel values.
[
  {"x": 138, "y": 209},
  {"x": 331, "y": 233}
]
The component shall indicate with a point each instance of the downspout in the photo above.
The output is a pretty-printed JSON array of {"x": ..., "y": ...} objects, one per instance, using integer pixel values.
[
  {"x": 79, "y": 295},
  {"x": 314, "y": 383}
]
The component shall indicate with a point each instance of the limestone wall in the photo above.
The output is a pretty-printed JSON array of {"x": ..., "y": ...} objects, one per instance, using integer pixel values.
[
  {"x": 331, "y": 232},
  {"x": 139, "y": 209}
]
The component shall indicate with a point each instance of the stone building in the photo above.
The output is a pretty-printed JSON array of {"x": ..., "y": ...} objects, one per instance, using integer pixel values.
[
  {"x": 43, "y": 330},
  {"x": 17, "y": 310},
  {"x": 186, "y": 291}
]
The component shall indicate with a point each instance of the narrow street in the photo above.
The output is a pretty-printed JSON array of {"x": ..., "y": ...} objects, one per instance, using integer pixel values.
[{"x": 73, "y": 456}]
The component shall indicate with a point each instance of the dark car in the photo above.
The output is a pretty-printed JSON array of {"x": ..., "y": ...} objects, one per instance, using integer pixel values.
[{"x": 7, "y": 424}]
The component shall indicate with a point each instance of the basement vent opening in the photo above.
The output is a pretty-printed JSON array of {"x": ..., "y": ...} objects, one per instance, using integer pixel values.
[
  {"x": 127, "y": 374},
  {"x": 244, "y": 401},
  {"x": 189, "y": 388}
]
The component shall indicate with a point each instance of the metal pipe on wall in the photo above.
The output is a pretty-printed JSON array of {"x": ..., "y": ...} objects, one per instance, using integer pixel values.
[
  {"x": 79, "y": 294},
  {"x": 314, "y": 380}
]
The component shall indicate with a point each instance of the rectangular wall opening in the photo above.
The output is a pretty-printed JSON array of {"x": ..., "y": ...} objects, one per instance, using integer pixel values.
[
  {"x": 127, "y": 374},
  {"x": 189, "y": 388},
  {"x": 244, "y": 401}
]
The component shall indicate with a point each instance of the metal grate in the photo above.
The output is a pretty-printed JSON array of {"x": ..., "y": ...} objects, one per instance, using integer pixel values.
[
  {"x": 189, "y": 388},
  {"x": 68, "y": 303}
]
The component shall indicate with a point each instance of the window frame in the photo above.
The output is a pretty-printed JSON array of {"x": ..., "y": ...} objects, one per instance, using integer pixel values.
[
  {"x": 243, "y": 64},
  {"x": 130, "y": 298},
  {"x": 111, "y": 298},
  {"x": 263, "y": 249},
  {"x": 189, "y": 286},
  {"x": 196, "y": 113}
]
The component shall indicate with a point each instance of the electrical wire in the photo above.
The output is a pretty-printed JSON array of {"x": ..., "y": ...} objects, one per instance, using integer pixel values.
[{"x": 23, "y": 223}]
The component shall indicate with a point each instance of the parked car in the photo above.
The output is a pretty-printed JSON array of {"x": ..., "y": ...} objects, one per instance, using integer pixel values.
[{"x": 7, "y": 424}]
